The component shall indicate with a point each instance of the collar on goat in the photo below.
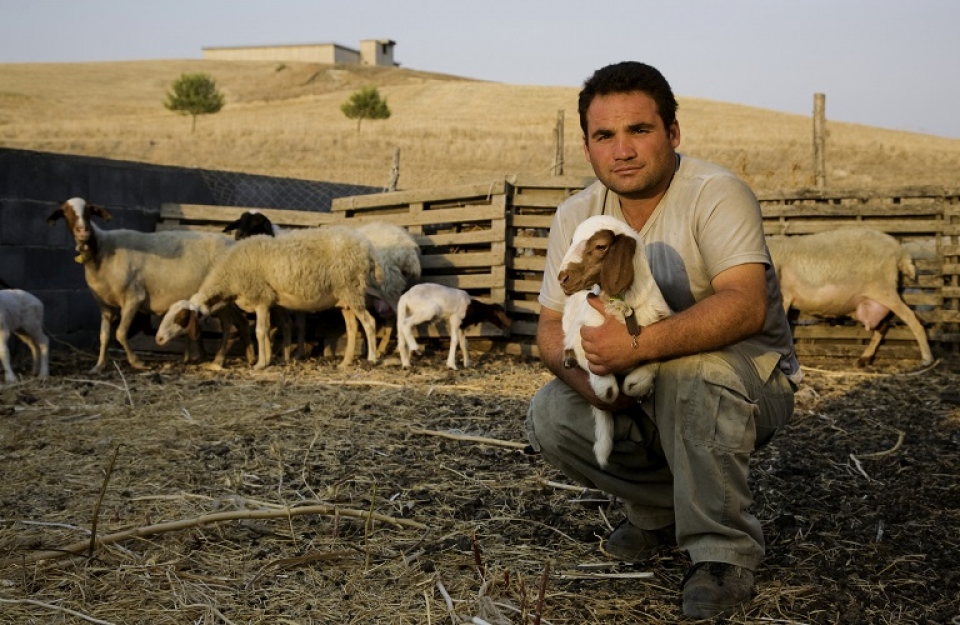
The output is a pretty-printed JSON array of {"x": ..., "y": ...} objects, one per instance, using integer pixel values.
[{"x": 630, "y": 319}]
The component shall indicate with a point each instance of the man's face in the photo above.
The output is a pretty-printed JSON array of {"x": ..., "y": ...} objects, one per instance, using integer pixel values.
[{"x": 631, "y": 151}]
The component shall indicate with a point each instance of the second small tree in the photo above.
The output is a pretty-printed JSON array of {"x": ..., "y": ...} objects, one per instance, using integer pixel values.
[
  {"x": 194, "y": 94},
  {"x": 365, "y": 103}
]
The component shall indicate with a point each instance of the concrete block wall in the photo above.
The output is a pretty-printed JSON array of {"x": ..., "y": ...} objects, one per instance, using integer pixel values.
[{"x": 37, "y": 257}]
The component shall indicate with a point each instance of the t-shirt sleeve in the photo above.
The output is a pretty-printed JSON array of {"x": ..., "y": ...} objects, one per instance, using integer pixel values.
[
  {"x": 551, "y": 295},
  {"x": 731, "y": 232}
]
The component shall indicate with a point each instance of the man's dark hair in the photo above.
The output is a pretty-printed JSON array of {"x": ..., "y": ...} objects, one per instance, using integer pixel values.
[{"x": 626, "y": 77}]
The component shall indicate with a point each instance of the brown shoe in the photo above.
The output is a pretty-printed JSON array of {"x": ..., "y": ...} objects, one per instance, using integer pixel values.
[
  {"x": 714, "y": 588},
  {"x": 632, "y": 544}
]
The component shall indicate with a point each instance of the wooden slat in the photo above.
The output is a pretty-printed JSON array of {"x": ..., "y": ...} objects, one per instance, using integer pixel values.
[{"x": 424, "y": 196}]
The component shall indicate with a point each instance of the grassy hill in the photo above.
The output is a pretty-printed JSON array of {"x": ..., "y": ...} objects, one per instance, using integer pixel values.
[{"x": 284, "y": 119}]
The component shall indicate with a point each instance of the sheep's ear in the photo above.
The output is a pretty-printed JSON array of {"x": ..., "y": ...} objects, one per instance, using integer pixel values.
[
  {"x": 55, "y": 215},
  {"x": 100, "y": 212},
  {"x": 193, "y": 325},
  {"x": 616, "y": 272},
  {"x": 233, "y": 225}
]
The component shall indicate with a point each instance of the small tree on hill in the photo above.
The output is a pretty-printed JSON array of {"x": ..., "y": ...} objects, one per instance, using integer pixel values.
[
  {"x": 194, "y": 94},
  {"x": 365, "y": 103}
]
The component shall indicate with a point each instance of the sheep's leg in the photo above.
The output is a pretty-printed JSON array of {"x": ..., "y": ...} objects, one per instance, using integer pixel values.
[
  {"x": 127, "y": 312},
  {"x": 369, "y": 331},
  {"x": 904, "y": 312},
  {"x": 387, "y": 333},
  {"x": 350, "y": 321},
  {"x": 603, "y": 435},
  {"x": 8, "y": 374},
  {"x": 301, "y": 335},
  {"x": 263, "y": 337},
  {"x": 106, "y": 317}
]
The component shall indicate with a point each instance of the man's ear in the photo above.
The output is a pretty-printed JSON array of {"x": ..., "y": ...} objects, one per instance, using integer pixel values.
[{"x": 616, "y": 273}]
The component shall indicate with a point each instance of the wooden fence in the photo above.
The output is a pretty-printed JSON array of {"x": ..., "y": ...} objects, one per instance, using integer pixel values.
[{"x": 490, "y": 240}]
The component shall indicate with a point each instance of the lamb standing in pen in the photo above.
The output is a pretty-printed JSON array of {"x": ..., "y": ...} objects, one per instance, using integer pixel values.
[
  {"x": 428, "y": 302},
  {"x": 606, "y": 253},
  {"x": 21, "y": 313},
  {"x": 129, "y": 271},
  {"x": 308, "y": 270},
  {"x": 853, "y": 272}
]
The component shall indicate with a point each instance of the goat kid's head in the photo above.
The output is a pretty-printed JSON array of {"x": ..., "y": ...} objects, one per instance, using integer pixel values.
[
  {"x": 478, "y": 312},
  {"x": 78, "y": 214},
  {"x": 604, "y": 258}
]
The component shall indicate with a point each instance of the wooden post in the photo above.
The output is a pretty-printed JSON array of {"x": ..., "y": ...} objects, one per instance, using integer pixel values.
[
  {"x": 819, "y": 139},
  {"x": 394, "y": 172},
  {"x": 558, "y": 136}
]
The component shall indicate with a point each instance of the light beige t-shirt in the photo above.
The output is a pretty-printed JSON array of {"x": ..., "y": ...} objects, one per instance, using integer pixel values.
[{"x": 708, "y": 221}]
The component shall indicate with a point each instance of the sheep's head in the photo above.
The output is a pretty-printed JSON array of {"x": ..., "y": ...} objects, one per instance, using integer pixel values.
[
  {"x": 604, "y": 258},
  {"x": 249, "y": 224},
  {"x": 78, "y": 215},
  {"x": 183, "y": 317}
]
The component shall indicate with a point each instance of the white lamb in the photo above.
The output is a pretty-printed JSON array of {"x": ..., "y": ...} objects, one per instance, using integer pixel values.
[
  {"x": 307, "y": 270},
  {"x": 21, "y": 313},
  {"x": 606, "y": 257},
  {"x": 428, "y": 302},
  {"x": 853, "y": 271},
  {"x": 129, "y": 271}
]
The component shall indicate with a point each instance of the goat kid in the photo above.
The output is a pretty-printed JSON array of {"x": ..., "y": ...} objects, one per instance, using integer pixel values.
[
  {"x": 21, "y": 313},
  {"x": 606, "y": 258},
  {"x": 428, "y": 301}
]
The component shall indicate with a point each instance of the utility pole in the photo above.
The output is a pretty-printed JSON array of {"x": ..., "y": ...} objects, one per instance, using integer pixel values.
[{"x": 819, "y": 140}]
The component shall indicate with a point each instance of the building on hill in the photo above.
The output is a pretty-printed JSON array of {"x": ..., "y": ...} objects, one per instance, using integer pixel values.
[{"x": 377, "y": 52}]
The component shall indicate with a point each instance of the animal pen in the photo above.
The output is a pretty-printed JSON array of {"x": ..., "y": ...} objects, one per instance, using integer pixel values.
[{"x": 491, "y": 239}]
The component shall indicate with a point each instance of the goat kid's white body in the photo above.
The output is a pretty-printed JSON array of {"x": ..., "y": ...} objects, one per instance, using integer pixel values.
[
  {"x": 429, "y": 302},
  {"x": 21, "y": 313},
  {"x": 643, "y": 296}
]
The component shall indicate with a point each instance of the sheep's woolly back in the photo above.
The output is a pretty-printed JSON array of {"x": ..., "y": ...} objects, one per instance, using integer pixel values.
[
  {"x": 399, "y": 255},
  {"x": 827, "y": 256},
  {"x": 168, "y": 266},
  {"x": 300, "y": 270}
]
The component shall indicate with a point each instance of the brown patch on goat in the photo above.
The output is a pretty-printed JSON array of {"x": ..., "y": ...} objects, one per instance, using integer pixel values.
[
  {"x": 478, "y": 312},
  {"x": 607, "y": 261}
]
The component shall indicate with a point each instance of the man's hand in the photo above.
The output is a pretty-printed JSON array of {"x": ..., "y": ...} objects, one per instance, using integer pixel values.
[{"x": 609, "y": 346}]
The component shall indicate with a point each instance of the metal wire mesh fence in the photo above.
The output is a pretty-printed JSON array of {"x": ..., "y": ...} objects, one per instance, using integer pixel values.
[{"x": 239, "y": 189}]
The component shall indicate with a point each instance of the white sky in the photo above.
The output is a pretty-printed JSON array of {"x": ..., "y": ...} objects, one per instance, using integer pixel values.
[{"x": 886, "y": 63}]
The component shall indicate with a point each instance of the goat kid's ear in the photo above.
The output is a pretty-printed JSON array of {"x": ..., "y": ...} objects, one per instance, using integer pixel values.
[
  {"x": 616, "y": 272},
  {"x": 100, "y": 212},
  {"x": 55, "y": 215}
]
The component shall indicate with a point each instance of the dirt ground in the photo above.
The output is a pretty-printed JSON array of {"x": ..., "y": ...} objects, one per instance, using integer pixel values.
[{"x": 309, "y": 494}]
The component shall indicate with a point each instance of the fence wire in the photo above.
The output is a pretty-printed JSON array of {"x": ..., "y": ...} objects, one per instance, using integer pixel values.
[{"x": 249, "y": 190}]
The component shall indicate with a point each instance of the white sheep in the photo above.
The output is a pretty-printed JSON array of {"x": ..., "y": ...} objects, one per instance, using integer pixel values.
[
  {"x": 606, "y": 257},
  {"x": 399, "y": 255},
  {"x": 307, "y": 270},
  {"x": 851, "y": 271},
  {"x": 427, "y": 301},
  {"x": 129, "y": 271},
  {"x": 21, "y": 314}
]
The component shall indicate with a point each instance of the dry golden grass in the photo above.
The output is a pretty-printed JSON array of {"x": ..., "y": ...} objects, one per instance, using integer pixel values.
[{"x": 284, "y": 119}]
